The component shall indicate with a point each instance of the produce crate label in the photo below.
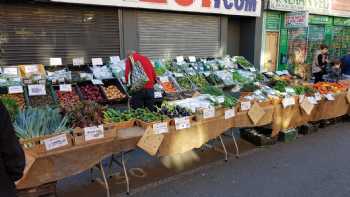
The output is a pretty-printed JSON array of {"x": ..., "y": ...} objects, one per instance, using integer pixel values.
[
  {"x": 36, "y": 90},
  {"x": 182, "y": 123},
  {"x": 114, "y": 59},
  {"x": 15, "y": 89},
  {"x": 178, "y": 74},
  {"x": 97, "y": 61},
  {"x": 221, "y": 99},
  {"x": 55, "y": 61},
  {"x": 289, "y": 101},
  {"x": 93, "y": 133},
  {"x": 164, "y": 79},
  {"x": 10, "y": 71},
  {"x": 160, "y": 128},
  {"x": 318, "y": 97},
  {"x": 180, "y": 59},
  {"x": 97, "y": 82},
  {"x": 31, "y": 69},
  {"x": 192, "y": 59},
  {"x": 245, "y": 106},
  {"x": 207, "y": 73},
  {"x": 229, "y": 113},
  {"x": 65, "y": 87},
  {"x": 87, "y": 76},
  {"x": 209, "y": 113},
  {"x": 78, "y": 61},
  {"x": 252, "y": 69},
  {"x": 56, "y": 142},
  {"x": 330, "y": 97},
  {"x": 312, "y": 100},
  {"x": 158, "y": 95}
]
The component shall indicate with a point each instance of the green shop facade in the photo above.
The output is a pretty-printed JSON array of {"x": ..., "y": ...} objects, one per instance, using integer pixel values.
[{"x": 294, "y": 29}]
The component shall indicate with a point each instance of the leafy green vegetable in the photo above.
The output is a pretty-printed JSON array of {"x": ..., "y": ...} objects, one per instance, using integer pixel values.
[
  {"x": 199, "y": 80},
  {"x": 86, "y": 114},
  {"x": 230, "y": 102},
  {"x": 242, "y": 61},
  {"x": 184, "y": 83},
  {"x": 11, "y": 106},
  {"x": 36, "y": 122},
  {"x": 212, "y": 90},
  {"x": 146, "y": 115},
  {"x": 249, "y": 87},
  {"x": 280, "y": 86},
  {"x": 160, "y": 70},
  {"x": 238, "y": 77},
  {"x": 112, "y": 115}
]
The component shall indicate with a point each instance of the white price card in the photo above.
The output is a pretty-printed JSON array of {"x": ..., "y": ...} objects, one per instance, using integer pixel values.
[
  {"x": 180, "y": 59},
  {"x": 182, "y": 123},
  {"x": 318, "y": 97},
  {"x": 252, "y": 69},
  {"x": 221, "y": 99},
  {"x": 158, "y": 95},
  {"x": 330, "y": 97},
  {"x": 56, "y": 142},
  {"x": 192, "y": 59},
  {"x": 207, "y": 73},
  {"x": 97, "y": 82},
  {"x": 94, "y": 133},
  {"x": 97, "y": 61},
  {"x": 160, "y": 128},
  {"x": 245, "y": 106},
  {"x": 15, "y": 89},
  {"x": 78, "y": 61},
  {"x": 36, "y": 90},
  {"x": 65, "y": 87},
  {"x": 114, "y": 59},
  {"x": 209, "y": 113},
  {"x": 289, "y": 101},
  {"x": 178, "y": 74},
  {"x": 229, "y": 113},
  {"x": 164, "y": 79},
  {"x": 55, "y": 61},
  {"x": 10, "y": 71},
  {"x": 31, "y": 68},
  {"x": 312, "y": 100}
]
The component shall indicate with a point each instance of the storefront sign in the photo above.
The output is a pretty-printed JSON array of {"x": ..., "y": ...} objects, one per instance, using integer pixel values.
[
  {"x": 229, "y": 7},
  {"x": 296, "y": 19},
  {"x": 322, "y": 7}
]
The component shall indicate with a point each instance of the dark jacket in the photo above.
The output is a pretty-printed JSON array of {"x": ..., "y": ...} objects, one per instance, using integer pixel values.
[
  {"x": 345, "y": 61},
  {"x": 12, "y": 159}
]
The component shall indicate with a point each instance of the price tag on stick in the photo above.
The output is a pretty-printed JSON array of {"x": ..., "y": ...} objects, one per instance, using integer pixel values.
[
  {"x": 56, "y": 61},
  {"x": 93, "y": 133},
  {"x": 78, "y": 61},
  {"x": 97, "y": 61}
]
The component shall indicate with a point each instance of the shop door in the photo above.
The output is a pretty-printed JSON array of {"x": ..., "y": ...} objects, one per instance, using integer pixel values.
[
  {"x": 271, "y": 51},
  {"x": 316, "y": 37},
  {"x": 164, "y": 34}
]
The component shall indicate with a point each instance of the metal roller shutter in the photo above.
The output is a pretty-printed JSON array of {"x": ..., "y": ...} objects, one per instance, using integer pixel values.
[
  {"x": 32, "y": 33},
  {"x": 163, "y": 34}
]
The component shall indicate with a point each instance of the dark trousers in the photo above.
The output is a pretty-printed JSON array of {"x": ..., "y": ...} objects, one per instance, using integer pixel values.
[
  {"x": 142, "y": 99},
  {"x": 318, "y": 77}
]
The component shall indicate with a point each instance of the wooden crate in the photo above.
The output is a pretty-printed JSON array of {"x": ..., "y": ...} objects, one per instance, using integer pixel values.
[
  {"x": 37, "y": 144},
  {"x": 47, "y": 190},
  {"x": 121, "y": 125},
  {"x": 110, "y": 131}
]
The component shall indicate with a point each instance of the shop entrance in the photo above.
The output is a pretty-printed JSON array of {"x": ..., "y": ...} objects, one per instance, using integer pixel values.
[{"x": 271, "y": 51}]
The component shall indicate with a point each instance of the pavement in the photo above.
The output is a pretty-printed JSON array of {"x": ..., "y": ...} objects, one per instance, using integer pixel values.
[{"x": 316, "y": 165}]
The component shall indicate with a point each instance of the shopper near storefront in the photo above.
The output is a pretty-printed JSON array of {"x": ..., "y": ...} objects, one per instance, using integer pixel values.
[
  {"x": 143, "y": 98},
  {"x": 12, "y": 160},
  {"x": 335, "y": 73},
  {"x": 345, "y": 63},
  {"x": 319, "y": 63}
]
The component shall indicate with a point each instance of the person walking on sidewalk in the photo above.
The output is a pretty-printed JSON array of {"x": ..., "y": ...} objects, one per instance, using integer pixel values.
[
  {"x": 319, "y": 63},
  {"x": 12, "y": 159},
  {"x": 145, "y": 97}
]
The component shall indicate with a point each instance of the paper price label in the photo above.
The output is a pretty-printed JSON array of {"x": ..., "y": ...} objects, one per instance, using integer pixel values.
[
  {"x": 10, "y": 71},
  {"x": 164, "y": 79},
  {"x": 312, "y": 100},
  {"x": 318, "y": 97},
  {"x": 230, "y": 113},
  {"x": 56, "y": 61},
  {"x": 160, "y": 128},
  {"x": 15, "y": 89},
  {"x": 158, "y": 95},
  {"x": 78, "y": 61},
  {"x": 221, "y": 99},
  {"x": 114, "y": 59},
  {"x": 288, "y": 102},
  {"x": 330, "y": 97},
  {"x": 192, "y": 59},
  {"x": 66, "y": 87},
  {"x": 245, "y": 106},
  {"x": 180, "y": 59},
  {"x": 252, "y": 69},
  {"x": 93, "y": 133},
  {"x": 56, "y": 142},
  {"x": 209, "y": 113},
  {"x": 97, "y": 61},
  {"x": 178, "y": 75},
  {"x": 97, "y": 82},
  {"x": 182, "y": 123},
  {"x": 36, "y": 90},
  {"x": 31, "y": 69}
]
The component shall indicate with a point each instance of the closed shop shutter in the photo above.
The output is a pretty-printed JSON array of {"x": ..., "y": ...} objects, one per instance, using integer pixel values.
[
  {"x": 163, "y": 34},
  {"x": 31, "y": 33}
]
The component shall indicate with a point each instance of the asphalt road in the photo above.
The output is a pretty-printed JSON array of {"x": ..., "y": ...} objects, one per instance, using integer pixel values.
[{"x": 316, "y": 165}]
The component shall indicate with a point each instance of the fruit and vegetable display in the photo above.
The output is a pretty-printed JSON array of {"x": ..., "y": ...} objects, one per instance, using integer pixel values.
[
  {"x": 242, "y": 61},
  {"x": 249, "y": 87},
  {"x": 91, "y": 92},
  {"x": 230, "y": 102},
  {"x": 280, "y": 86},
  {"x": 174, "y": 111},
  {"x": 37, "y": 122},
  {"x": 168, "y": 87},
  {"x": 301, "y": 90},
  {"x": 112, "y": 115},
  {"x": 212, "y": 90},
  {"x": 113, "y": 93},
  {"x": 184, "y": 83},
  {"x": 67, "y": 99},
  {"x": 18, "y": 98},
  {"x": 199, "y": 80},
  {"x": 327, "y": 87},
  {"x": 215, "y": 80},
  {"x": 145, "y": 115},
  {"x": 86, "y": 114}
]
